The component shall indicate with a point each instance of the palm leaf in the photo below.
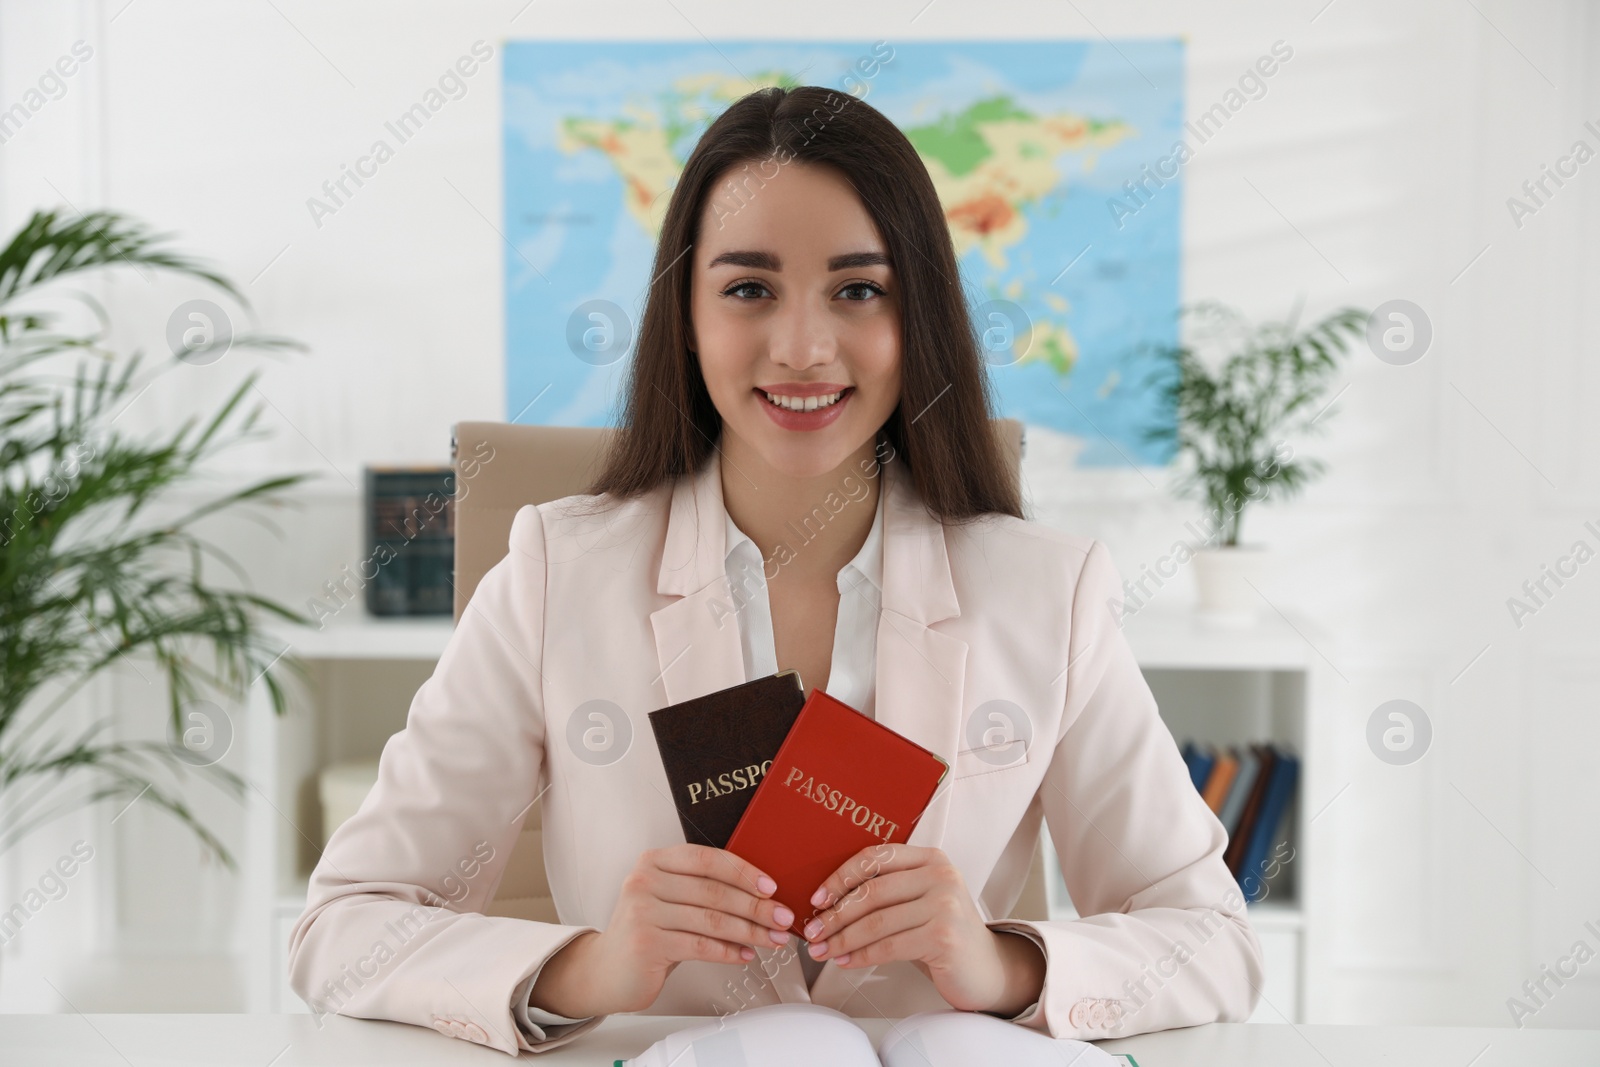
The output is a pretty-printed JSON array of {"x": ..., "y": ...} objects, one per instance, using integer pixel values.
[
  {"x": 49, "y": 247},
  {"x": 89, "y": 577}
]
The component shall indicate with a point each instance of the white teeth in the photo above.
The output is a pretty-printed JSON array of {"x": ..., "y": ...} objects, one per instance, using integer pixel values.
[{"x": 808, "y": 403}]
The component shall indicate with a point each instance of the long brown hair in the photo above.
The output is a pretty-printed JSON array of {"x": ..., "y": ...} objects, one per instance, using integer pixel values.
[{"x": 941, "y": 428}]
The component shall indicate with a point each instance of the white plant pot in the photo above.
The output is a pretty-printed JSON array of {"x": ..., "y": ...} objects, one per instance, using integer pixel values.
[{"x": 1227, "y": 580}]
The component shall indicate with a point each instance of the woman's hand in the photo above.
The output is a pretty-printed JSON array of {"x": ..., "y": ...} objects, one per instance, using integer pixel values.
[
  {"x": 682, "y": 902},
  {"x": 904, "y": 902}
]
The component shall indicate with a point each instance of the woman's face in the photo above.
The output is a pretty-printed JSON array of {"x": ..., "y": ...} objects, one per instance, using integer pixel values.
[{"x": 792, "y": 295}]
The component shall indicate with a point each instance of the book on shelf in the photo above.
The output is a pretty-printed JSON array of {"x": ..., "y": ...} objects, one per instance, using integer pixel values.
[
  {"x": 1237, "y": 838},
  {"x": 410, "y": 540},
  {"x": 1199, "y": 761},
  {"x": 1244, "y": 781},
  {"x": 804, "y": 1035},
  {"x": 1252, "y": 873},
  {"x": 1250, "y": 789},
  {"x": 1220, "y": 781}
]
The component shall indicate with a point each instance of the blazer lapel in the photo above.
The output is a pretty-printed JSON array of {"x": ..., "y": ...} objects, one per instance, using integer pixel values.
[
  {"x": 697, "y": 635},
  {"x": 921, "y": 673}
]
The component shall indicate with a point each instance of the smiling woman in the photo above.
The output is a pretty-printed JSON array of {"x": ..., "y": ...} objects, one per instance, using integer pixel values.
[
  {"x": 807, "y": 323},
  {"x": 814, "y": 228}
]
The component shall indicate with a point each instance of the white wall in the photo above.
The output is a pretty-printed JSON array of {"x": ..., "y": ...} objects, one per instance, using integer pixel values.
[{"x": 1377, "y": 166}]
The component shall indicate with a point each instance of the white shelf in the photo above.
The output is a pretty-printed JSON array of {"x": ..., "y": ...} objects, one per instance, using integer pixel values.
[
  {"x": 1274, "y": 915},
  {"x": 1184, "y": 640},
  {"x": 364, "y": 636}
]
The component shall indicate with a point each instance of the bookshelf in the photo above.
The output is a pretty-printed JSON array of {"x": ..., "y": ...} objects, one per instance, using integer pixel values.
[
  {"x": 1231, "y": 685},
  {"x": 1223, "y": 685},
  {"x": 364, "y": 671}
]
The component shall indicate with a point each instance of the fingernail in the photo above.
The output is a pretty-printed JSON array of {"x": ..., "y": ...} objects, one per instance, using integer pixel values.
[
  {"x": 783, "y": 916},
  {"x": 842, "y": 959},
  {"x": 766, "y": 884},
  {"x": 813, "y": 928},
  {"x": 818, "y": 949},
  {"x": 779, "y": 937},
  {"x": 820, "y": 897},
  {"x": 746, "y": 952}
]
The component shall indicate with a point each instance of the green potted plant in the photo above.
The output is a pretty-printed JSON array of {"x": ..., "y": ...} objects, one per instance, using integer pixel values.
[
  {"x": 1242, "y": 395},
  {"x": 99, "y": 564}
]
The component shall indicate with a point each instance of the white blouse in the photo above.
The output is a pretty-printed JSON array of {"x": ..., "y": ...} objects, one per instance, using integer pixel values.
[{"x": 855, "y": 633}]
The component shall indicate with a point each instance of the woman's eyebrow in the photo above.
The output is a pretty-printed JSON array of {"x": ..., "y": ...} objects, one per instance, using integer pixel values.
[{"x": 754, "y": 260}]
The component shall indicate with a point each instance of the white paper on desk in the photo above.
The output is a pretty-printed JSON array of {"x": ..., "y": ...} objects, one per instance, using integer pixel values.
[
  {"x": 806, "y": 1035},
  {"x": 773, "y": 1035},
  {"x": 953, "y": 1038}
]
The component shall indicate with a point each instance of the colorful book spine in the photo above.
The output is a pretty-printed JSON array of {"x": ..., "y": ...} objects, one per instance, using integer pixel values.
[
  {"x": 1220, "y": 781},
  {"x": 1252, "y": 808},
  {"x": 1199, "y": 761},
  {"x": 1243, "y": 782},
  {"x": 1275, "y": 804}
]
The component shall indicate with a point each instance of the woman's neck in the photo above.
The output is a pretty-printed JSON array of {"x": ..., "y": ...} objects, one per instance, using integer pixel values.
[{"x": 775, "y": 509}]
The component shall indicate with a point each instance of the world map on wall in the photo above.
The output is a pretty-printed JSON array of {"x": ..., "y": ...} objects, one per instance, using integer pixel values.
[{"x": 1041, "y": 154}]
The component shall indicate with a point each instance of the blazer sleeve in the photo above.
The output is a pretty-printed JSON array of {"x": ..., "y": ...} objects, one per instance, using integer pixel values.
[
  {"x": 1163, "y": 939},
  {"x": 394, "y": 925}
]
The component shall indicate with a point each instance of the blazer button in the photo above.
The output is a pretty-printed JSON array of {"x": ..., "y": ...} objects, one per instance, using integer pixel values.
[
  {"x": 474, "y": 1032},
  {"x": 1097, "y": 1015},
  {"x": 1079, "y": 1015},
  {"x": 1113, "y": 1012},
  {"x": 443, "y": 1026}
]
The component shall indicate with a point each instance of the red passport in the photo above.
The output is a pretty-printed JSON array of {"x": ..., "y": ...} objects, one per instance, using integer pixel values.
[{"x": 839, "y": 783}]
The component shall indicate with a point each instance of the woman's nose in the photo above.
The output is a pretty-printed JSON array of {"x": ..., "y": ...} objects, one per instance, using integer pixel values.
[{"x": 802, "y": 337}]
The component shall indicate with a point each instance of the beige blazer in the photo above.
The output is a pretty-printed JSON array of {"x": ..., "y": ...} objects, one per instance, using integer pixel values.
[{"x": 591, "y": 622}]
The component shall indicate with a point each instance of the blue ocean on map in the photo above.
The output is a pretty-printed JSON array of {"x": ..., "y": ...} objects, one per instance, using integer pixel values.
[{"x": 1030, "y": 145}]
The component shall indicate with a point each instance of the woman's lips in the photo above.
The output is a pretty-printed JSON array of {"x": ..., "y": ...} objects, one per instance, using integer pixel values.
[{"x": 804, "y": 420}]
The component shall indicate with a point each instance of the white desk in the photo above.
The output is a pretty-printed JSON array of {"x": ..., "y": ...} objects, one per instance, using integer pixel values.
[{"x": 298, "y": 1041}]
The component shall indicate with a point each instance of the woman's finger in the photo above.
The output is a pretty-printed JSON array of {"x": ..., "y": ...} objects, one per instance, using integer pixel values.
[
  {"x": 892, "y": 933},
  {"x": 679, "y": 945},
  {"x": 869, "y": 863},
  {"x": 708, "y": 922},
  {"x": 716, "y": 863},
  {"x": 701, "y": 919},
  {"x": 710, "y": 893},
  {"x": 885, "y": 890}
]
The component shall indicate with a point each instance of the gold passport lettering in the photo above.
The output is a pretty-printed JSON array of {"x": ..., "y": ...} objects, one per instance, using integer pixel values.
[
  {"x": 836, "y": 802},
  {"x": 728, "y": 782}
]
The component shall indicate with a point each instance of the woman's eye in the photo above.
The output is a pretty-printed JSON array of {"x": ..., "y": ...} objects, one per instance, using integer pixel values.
[
  {"x": 741, "y": 286},
  {"x": 867, "y": 287}
]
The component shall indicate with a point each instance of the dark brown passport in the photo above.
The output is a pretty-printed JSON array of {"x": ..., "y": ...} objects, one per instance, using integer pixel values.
[{"x": 717, "y": 747}]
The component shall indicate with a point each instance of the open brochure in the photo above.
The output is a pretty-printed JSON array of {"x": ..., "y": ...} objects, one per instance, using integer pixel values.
[{"x": 805, "y": 1035}]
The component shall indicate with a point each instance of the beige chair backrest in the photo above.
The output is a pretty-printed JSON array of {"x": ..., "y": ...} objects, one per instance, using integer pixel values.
[{"x": 499, "y": 468}]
